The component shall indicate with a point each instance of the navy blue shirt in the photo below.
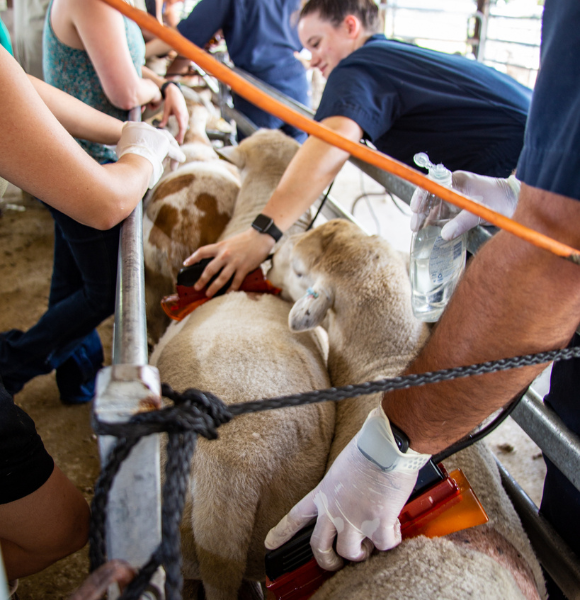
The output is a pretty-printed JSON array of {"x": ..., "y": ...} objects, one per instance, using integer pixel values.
[
  {"x": 408, "y": 99},
  {"x": 261, "y": 35},
  {"x": 551, "y": 156}
]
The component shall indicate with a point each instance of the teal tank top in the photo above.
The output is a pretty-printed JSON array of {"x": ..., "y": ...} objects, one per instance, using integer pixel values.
[
  {"x": 72, "y": 71},
  {"x": 5, "y": 38}
]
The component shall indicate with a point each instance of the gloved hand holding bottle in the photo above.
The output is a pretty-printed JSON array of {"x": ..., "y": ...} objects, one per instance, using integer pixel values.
[
  {"x": 153, "y": 144},
  {"x": 359, "y": 500},
  {"x": 500, "y": 195}
]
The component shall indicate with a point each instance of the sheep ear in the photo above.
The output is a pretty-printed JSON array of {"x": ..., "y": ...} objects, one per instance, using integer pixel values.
[
  {"x": 309, "y": 311},
  {"x": 232, "y": 155}
]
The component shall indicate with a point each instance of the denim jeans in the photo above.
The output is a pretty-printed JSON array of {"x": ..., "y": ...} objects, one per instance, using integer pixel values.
[{"x": 82, "y": 295}]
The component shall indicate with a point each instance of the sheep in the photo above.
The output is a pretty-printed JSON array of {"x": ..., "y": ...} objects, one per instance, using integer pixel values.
[
  {"x": 360, "y": 287},
  {"x": 238, "y": 346},
  {"x": 188, "y": 208}
]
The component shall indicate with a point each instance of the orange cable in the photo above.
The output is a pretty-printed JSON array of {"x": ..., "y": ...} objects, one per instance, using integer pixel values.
[{"x": 262, "y": 100}]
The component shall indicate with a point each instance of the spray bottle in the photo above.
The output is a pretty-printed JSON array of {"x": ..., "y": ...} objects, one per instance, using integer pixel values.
[{"x": 436, "y": 264}]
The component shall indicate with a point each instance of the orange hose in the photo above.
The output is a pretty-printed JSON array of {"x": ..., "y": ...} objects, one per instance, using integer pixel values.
[{"x": 251, "y": 93}]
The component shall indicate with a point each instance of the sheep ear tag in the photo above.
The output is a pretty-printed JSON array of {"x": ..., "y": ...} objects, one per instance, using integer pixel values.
[{"x": 177, "y": 306}]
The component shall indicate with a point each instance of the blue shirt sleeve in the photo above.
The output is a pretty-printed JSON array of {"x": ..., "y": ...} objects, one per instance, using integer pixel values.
[
  {"x": 204, "y": 20},
  {"x": 550, "y": 159},
  {"x": 353, "y": 91}
]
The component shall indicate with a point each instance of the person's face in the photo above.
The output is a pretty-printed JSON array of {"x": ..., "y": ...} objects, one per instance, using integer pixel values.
[{"x": 327, "y": 44}]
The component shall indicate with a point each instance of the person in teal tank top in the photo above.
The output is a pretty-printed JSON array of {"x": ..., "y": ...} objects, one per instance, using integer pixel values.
[{"x": 96, "y": 55}]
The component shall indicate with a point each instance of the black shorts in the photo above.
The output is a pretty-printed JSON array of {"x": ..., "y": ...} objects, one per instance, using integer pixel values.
[{"x": 25, "y": 465}]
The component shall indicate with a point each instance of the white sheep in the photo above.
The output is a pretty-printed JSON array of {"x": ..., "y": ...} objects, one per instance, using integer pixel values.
[
  {"x": 188, "y": 208},
  {"x": 360, "y": 287},
  {"x": 238, "y": 346}
]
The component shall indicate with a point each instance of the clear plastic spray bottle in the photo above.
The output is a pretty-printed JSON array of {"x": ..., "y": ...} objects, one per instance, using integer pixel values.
[{"x": 436, "y": 264}]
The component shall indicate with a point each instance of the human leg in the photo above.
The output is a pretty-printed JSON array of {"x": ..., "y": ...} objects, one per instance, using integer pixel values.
[{"x": 82, "y": 296}]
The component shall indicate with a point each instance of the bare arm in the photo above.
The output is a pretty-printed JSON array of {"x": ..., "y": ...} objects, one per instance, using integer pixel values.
[
  {"x": 313, "y": 167},
  {"x": 514, "y": 299},
  {"x": 39, "y": 156},
  {"x": 78, "y": 118},
  {"x": 156, "y": 47},
  {"x": 101, "y": 30}
]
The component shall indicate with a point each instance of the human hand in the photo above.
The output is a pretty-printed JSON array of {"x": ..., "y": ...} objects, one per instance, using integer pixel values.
[
  {"x": 98, "y": 582},
  {"x": 175, "y": 105},
  {"x": 359, "y": 500},
  {"x": 150, "y": 143},
  {"x": 500, "y": 195},
  {"x": 239, "y": 254}
]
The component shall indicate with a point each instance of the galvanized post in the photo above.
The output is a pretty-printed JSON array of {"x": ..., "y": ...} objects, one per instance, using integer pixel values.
[{"x": 128, "y": 387}]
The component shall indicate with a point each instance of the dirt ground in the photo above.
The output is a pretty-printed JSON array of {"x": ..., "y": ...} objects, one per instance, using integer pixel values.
[{"x": 26, "y": 249}]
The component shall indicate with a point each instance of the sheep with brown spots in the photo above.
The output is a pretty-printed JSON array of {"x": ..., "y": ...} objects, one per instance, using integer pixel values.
[
  {"x": 238, "y": 346},
  {"x": 359, "y": 287},
  {"x": 188, "y": 208}
]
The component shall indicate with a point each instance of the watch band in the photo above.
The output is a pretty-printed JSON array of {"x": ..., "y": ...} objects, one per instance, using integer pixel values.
[
  {"x": 265, "y": 224},
  {"x": 379, "y": 444},
  {"x": 164, "y": 87}
]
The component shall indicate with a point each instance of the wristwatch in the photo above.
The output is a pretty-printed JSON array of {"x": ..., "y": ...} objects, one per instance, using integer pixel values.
[
  {"x": 265, "y": 224},
  {"x": 387, "y": 446},
  {"x": 164, "y": 87}
]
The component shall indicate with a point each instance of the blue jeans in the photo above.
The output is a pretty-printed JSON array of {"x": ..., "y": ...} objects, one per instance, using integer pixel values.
[{"x": 82, "y": 295}]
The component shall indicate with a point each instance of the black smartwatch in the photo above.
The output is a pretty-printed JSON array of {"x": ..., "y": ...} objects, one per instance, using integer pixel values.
[
  {"x": 401, "y": 438},
  {"x": 164, "y": 87},
  {"x": 265, "y": 224}
]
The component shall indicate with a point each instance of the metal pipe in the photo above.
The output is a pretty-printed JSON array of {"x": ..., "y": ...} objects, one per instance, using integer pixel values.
[
  {"x": 130, "y": 337},
  {"x": 130, "y": 386},
  {"x": 548, "y": 431},
  {"x": 554, "y": 554}
]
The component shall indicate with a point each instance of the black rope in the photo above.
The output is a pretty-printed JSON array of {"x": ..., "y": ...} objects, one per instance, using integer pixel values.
[{"x": 201, "y": 413}]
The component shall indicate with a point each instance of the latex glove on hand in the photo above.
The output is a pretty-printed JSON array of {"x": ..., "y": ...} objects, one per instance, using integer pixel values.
[
  {"x": 500, "y": 195},
  {"x": 359, "y": 500},
  {"x": 153, "y": 144}
]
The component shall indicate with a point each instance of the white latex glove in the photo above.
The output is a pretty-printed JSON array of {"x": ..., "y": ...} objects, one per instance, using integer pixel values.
[
  {"x": 359, "y": 501},
  {"x": 500, "y": 195},
  {"x": 153, "y": 144}
]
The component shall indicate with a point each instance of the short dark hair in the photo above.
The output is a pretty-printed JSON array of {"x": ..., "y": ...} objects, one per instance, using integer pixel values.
[{"x": 336, "y": 11}]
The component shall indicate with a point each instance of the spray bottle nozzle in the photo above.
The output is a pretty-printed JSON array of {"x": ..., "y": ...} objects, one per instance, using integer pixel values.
[{"x": 438, "y": 172}]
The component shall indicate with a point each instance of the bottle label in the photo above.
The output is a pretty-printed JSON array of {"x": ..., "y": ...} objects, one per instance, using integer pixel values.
[{"x": 446, "y": 257}]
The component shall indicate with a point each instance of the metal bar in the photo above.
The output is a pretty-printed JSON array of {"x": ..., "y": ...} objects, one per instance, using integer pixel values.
[
  {"x": 130, "y": 337},
  {"x": 548, "y": 431},
  {"x": 128, "y": 387},
  {"x": 554, "y": 554}
]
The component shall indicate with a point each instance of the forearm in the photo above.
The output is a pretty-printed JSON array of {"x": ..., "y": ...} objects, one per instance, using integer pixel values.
[
  {"x": 312, "y": 169},
  {"x": 514, "y": 299},
  {"x": 79, "y": 119}
]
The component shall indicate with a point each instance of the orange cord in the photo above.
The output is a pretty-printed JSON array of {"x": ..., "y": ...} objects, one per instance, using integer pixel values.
[{"x": 251, "y": 93}]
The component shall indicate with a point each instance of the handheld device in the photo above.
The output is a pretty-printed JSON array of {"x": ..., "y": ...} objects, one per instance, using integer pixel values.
[{"x": 440, "y": 504}]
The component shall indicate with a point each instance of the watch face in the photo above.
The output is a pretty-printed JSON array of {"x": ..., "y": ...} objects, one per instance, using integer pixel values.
[{"x": 262, "y": 222}]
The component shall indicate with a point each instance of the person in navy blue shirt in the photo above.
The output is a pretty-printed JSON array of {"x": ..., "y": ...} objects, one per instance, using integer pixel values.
[
  {"x": 261, "y": 38},
  {"x": 402, "y": 98}
]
